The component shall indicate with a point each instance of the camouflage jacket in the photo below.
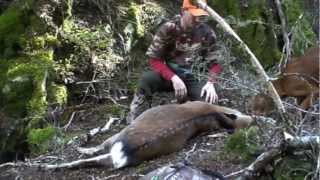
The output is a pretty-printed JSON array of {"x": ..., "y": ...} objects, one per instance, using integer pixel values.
[{"x": 172, "y": 44}]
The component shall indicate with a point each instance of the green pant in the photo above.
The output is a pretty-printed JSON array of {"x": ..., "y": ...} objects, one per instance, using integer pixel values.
[{"x": 152, "y": 82}]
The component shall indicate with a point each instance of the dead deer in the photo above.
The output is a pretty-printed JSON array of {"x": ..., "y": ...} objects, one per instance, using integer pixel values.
[
  {"x": 158, "y": 131},
  {"x": 300, "y": 79}
]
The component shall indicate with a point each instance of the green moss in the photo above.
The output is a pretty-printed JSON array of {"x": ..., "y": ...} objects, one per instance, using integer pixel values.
[
  {"x": 11, "y": 27},
  {"x": 114, "y": 109},
  {"x": 58, "y": 94},
  {"x": 51, "y": 40},
  {"x": 67, "y": 21},
  {"x": 39, "y": 139},
  {"x": 243, "y": 142},
  {"x": 134, "y": 14},
  {"x": 38, "y": 42}
]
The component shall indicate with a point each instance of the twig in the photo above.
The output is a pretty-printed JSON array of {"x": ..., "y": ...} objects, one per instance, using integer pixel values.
[
  {"x": 93, "y": 81},
  {"x": 317, "y": 173},
  {"x": 69, "y": 122},
  {"x": 8, "y": 164},
  {"x": 284, "y": 34},
  {"x": 223, "y": 134},
  {"x": 109, "y": 177},
  {"x": 116, "y": 103},
  {"x": 93, "y": 60},
  {"x": 108, "y": 124},
  {"x": 190, "y": 151},
  {"x": 299, "y": 109}
]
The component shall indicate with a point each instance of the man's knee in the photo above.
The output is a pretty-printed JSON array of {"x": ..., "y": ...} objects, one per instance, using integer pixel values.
[{"x": 149, "y": 82}]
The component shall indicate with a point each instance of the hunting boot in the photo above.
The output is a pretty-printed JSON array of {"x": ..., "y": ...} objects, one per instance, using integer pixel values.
[{"x": 139, "y": 104}]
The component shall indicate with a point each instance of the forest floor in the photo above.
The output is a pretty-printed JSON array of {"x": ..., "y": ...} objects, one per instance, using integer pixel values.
[{"x": 203, "y": 152}]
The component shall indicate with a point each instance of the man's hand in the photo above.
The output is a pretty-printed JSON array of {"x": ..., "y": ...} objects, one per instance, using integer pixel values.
[
  {"x": 210, "y": 91},
  {"x": 180, "y": 89}
]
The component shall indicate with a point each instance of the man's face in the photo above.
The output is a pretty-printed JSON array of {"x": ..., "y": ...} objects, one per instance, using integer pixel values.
[{"x": 188, "y": 21}]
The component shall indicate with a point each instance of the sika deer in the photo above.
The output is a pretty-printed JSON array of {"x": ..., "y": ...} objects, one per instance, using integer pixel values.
[{"x": 158, "y": 131}]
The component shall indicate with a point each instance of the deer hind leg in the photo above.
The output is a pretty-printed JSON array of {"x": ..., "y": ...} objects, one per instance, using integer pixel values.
[
  {"x": 102, "y": 160},
  {"x": 105, "y": 146}
]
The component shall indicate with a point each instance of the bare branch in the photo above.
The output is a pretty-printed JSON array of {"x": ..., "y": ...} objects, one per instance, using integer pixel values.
[
  {"x": 254, "y": 60},
  {"x": 284, "y": 34},
  {"x": 69, "y": 122}
]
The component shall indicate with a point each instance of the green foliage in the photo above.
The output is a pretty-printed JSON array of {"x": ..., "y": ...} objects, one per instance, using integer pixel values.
[
  {"x": 114, "y": 109},
  {"x": 39, "y": 139},
  {"x": 255, "y": 25},
  {"x": 11, "y": 27},
  {"x": 95, "y": 37},
  {"x": 243, "y": 142},
  {"x": 259, "y": 27},
  {"x": 226, "y": 7},
  {"x": 302, "y": 34}
]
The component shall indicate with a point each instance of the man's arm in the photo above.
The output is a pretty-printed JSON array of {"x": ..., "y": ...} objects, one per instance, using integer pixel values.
[
  {"x": 157, "y": 50},
  {"x": 214, "y": 69}
]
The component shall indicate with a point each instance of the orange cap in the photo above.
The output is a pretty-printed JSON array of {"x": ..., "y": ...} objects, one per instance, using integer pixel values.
[{"x": 194, "y": 10}]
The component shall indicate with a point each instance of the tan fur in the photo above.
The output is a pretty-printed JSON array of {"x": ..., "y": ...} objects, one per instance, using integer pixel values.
[{"x": 300, "y": 79}]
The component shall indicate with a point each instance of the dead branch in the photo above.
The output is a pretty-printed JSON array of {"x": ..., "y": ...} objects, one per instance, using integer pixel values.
[
  {"x": 69, "y": 122},
  {"x": 223, "y": 134},
  {"x": 190, "y": 152},
  {"x": 254, "y": 60}
]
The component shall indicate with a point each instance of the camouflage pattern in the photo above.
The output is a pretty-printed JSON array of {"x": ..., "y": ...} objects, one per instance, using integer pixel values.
[{"x": 185, "y": 49}]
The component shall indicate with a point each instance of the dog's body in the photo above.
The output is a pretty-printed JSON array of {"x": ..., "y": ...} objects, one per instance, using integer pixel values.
[
  {"x": 162, "y": 130},
  {"x": 300, "y": 79}
]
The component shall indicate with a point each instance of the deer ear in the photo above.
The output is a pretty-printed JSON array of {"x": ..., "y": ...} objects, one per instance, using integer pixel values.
[{"x": 231, "y": 116}]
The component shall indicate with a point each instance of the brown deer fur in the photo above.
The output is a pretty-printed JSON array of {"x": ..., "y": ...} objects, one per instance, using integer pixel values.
[{"x": 300, "y": 79}]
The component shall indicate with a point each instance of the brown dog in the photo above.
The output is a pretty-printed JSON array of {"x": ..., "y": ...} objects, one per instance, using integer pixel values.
[{"x": 300, "y": 79}]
